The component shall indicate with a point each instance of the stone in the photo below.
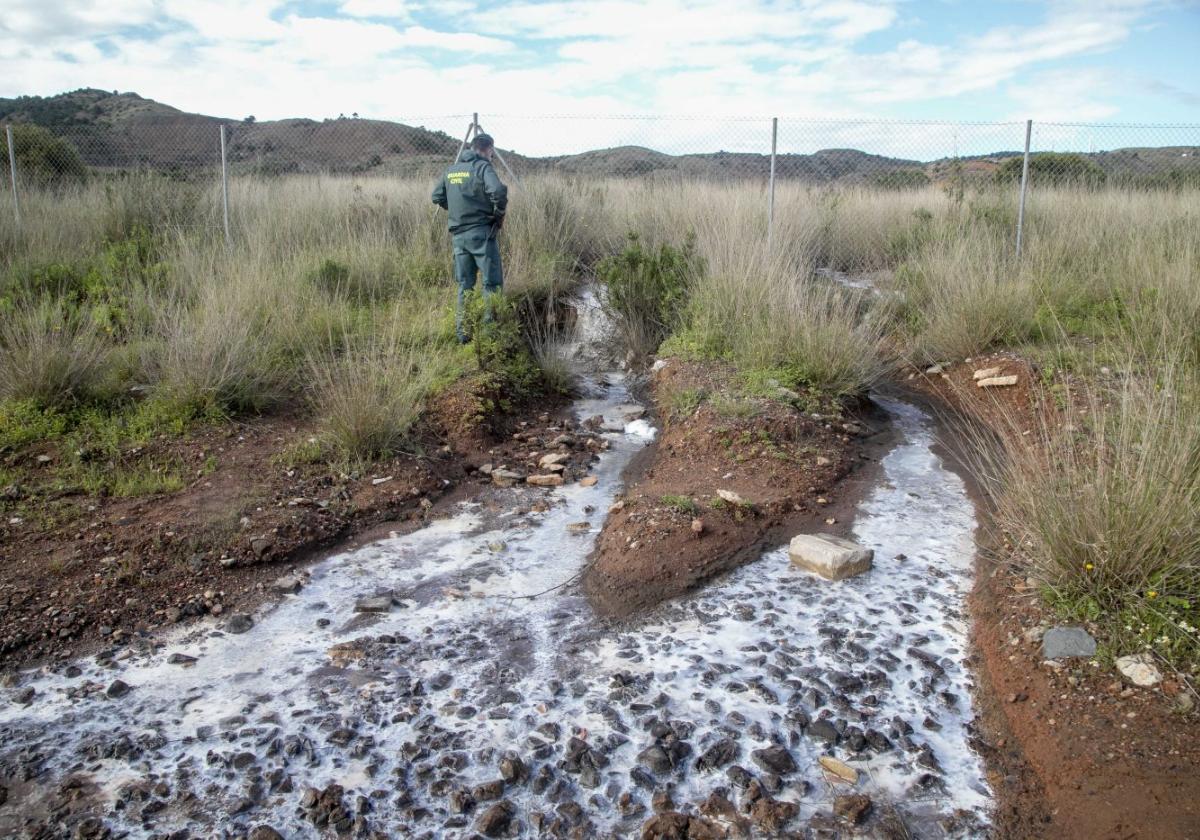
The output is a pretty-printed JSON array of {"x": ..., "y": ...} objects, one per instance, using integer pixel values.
[
  {"x": 374, "y": 604},
  {"x": 1063, "y": 642},
  {"x": 181, "y": 659},
  {"x": 697, "y": 526},
  {"x": 771, "y": 815},
  {"x": 287, "y": 585},
  {"x": 672, "y": 825},
  {"x": 588, "y": 481},
  {"x": 494, "y": 822},
  {"x": 553, "y": 459},
  {"x": 1139, "y": 669},
  {"x": 118, "y": 688},
  {"x": 833, "y": 558},
  {"x": 852, "y": 807},
  {"x": 839, "y": 769},
  {"x": 718, "y": 755},
  {"x": 731, "y": 497},
  {"x": 656, "y": 758},
  {"x": 997, "y": 381},
  {"x": 238, "y": 623},
  {"x": 986, "y": 373},
  {"x": 264, "y": 832},
  {"x": 261, "y": 546},
  {"x": 505, "y": 478},
  {"x": 544, "y": 480},
  {"x": 775, "y": 759}
]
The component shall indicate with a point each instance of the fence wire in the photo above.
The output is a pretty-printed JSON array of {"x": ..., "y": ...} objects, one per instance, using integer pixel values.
[{"x": 822, "y": 158}]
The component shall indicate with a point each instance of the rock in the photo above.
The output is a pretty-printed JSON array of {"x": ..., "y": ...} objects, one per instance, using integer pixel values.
[
  {"x": 486, "y": 469},
  {"x": 775, "y": 759},
  {"x": 823, "y": 730},
  {"x": 986, "y": 373},
  {"x": 488, "y": 791},
  {"x": 1139, "y": 669},
  {"x": 261, "y": 546},
  {"x": 1062, "y": 642},
  {"x": 544, "y": 480},
  {"x": 494, "y": 822},
  {"x": 839, "y": 769},
  {"x": 118, "y": 688},
  {"x": 238, "y": 623},
  {"x": 553, "y": 459},
  {"x": 505, "y": 478},
  {"x": 264, "y": 832},
  {"x": 588, "y": 481},
  {"x": 288, "y": 585},
  {"x": 12, "y": 493},
  {"x": 833, "y": 558},
  {"x": 997, "y": 381},
  {"x": 656, "y": 758},
  {"x": 181, "y": 659},
  {"x": 771, "y": 815},
  {"x": 374, "y": 604},
  {"x": 718, "y": 755},
  {"x": 731, "y": 497},
  {"x": 672, "y": 825},
  {"x": 697, "y": 526},
  {"x": 852, "y": 807}
]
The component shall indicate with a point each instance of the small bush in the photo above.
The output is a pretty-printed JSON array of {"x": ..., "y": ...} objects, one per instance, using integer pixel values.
[
  {"x": 1053, "y": 169},
  {"x": 43, "y": 159},
  {"x": 646, "y": 290},
  {"x": 49, "y": 356}
]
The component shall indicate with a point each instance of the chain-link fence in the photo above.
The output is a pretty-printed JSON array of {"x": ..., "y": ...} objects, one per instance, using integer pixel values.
[{"x": 1012, "y": 160}]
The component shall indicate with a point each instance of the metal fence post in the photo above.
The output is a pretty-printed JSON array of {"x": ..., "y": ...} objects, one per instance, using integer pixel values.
[
  {"x": 225, "y": 187},
  {"x": 12, "y": 171},
  {"x": 771, "y": 184},
  {"x": 1024, "y": 186}
]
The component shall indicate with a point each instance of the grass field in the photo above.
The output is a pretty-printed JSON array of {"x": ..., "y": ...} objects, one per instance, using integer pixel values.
[{"x": 123, "y": 315}]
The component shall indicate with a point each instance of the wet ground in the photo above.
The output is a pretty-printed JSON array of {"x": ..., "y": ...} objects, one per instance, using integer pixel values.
[{"x": 483, "y": 694}]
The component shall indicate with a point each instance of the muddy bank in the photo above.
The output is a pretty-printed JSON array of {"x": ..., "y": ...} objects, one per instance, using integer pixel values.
[
  {"x": 795, "y": 467},
  {"x": 1073, "y": 750},
  {"x": 79, "y": 572}
]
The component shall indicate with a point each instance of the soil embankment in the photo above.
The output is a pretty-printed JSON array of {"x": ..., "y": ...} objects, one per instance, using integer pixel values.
[
  {"x": 792, "y": 468},
  {"x": 1074, "y": 751},
  {"x": 81, "y": 571}
]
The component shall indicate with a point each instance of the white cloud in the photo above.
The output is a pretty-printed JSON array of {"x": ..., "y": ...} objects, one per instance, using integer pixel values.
[{"x": 393, "y": 9}]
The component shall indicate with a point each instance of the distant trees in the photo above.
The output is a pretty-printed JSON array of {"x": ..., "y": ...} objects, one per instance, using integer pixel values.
[
  {"x": 1053, "y": 168},
  {"x": 250, "y": 120},
  {"x": 902, "y": 179},
  {"x": 42, "y": 157}
]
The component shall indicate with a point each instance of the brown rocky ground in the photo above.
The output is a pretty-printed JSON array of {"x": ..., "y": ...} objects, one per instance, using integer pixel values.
[
  {"x": 1074, "y": 751},
  {"x": 78, "y": 571},
  {"x": 794, "y": 466}
]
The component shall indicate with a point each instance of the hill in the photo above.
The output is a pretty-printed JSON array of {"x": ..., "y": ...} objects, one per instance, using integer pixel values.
[{"x": 115, "y": 131}]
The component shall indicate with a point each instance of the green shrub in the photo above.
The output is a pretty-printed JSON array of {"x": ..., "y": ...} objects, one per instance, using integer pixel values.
[
  {"x": 646, "y": 289},
  {"x": 43, "y": 159},
  {"x": 902, "y": 179},
  {"x": 1053, "y": 169}
]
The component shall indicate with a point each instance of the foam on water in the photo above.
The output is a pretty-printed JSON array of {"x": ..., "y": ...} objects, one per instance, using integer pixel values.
[{"x": 495, "y": 649}]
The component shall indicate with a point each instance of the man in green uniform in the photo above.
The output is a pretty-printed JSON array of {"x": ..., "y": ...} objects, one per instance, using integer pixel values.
[{"x": 476, "y": 200}]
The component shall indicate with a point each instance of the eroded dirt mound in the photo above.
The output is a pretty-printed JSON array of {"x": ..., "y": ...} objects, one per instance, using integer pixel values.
[{"x": 730, "y": 475}]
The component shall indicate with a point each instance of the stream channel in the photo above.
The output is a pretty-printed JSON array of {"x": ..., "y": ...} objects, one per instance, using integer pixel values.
[{"x": 472, "y": 705}]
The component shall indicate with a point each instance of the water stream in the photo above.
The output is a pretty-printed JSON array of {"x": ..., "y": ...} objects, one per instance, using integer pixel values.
[{"x": 490, "y": 664}]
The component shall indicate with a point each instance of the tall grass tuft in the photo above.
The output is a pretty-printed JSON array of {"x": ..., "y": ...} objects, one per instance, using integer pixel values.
[
  {"x": 1102, "y": 500},
  {"x": 368, "y": 395},
  {"x": 50, "y": 355}
]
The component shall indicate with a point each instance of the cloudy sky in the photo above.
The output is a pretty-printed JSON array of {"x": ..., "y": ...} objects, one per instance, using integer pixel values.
[{"x": 416, "y": 61}]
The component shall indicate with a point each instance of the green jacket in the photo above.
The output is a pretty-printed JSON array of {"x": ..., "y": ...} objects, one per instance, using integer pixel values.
[{"x": 472, "y": 192}]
